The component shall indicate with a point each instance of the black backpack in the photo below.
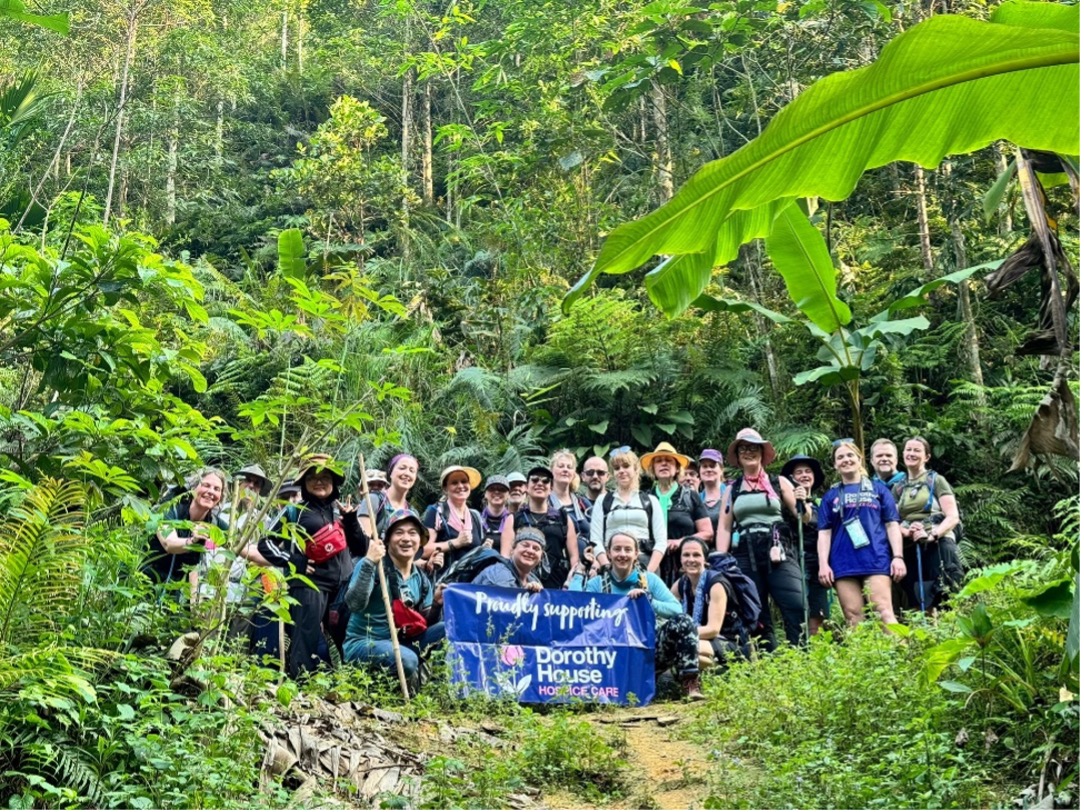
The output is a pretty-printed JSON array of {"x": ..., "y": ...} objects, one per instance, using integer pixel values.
[{"x": 467, "y": 568}]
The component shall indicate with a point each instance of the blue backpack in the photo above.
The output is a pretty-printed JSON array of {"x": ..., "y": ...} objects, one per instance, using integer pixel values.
[
  {"x": 744, "y": 608},
  {"x": 467, "y": 568}
]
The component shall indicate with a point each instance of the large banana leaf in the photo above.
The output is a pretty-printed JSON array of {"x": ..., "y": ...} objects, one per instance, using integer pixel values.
[
  {"x": 950, "y": 85},
  {"x": 16, "y": 10}
]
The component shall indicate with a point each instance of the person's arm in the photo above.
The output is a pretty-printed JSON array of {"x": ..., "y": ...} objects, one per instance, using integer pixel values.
[
  {"x": 726, "y": 523},
  {"x": 598, "y": 519},
  {"x": 432, "y": 546},
  {"x": 665, "y": 605},
  {"x": 360, "y": 590},
  {"x": 655, "y": 560},
  {"x": 704, "y": 530},
  {"x": 508, "y": 536},
  {"x": 946, "y": 500},
  {"x": 496, "y": 575},
  {"x": 251, "y": 553},
  {"x": 357, "y": 541},
  {"x": 716, "y": 612},
  {"x": 824, "y": 546},
  {"x": 787, "y": 496},
  {"x": 658, "y": 526},
  {"x": 571, "y": 545}
]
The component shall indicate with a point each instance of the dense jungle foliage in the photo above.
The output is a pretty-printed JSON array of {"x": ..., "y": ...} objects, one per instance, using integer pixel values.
[{"x": 233, "y": 231}]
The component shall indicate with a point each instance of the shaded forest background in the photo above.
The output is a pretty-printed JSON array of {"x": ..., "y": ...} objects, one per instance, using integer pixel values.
[{"x": 236, "y": 227}]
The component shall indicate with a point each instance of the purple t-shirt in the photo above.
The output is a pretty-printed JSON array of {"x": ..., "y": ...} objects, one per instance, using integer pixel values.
[{"x": 871, "y": 502}]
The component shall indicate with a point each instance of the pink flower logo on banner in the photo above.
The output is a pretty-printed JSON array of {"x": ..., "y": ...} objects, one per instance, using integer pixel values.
[{"x": 512, "y": 655}]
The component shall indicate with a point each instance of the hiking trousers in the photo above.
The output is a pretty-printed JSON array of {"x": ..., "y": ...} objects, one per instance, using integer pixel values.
[
  {"x": 677, "y": 646},
  {"x": 783, "y": 583}
]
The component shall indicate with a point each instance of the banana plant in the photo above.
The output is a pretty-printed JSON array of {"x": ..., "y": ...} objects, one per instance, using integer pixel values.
[{"x": 801, "y": 256}]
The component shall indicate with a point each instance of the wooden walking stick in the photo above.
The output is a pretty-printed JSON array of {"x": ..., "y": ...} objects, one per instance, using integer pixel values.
[{"x": 384, "y": 582}]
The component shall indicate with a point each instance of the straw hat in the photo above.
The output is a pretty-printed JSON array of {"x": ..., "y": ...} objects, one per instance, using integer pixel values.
[
  {"x": 752, "y": 437},
  {"x": 321, "y": 462},
  {"x": 662, "y": 450},
  {"x": 474, "y": 476}
]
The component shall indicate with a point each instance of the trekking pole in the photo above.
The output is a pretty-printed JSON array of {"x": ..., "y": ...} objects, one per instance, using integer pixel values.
[
  {"x": 801, "y": 563},
  {"x": 384, "y": 582},
  {"x": 921, "y": 581}
]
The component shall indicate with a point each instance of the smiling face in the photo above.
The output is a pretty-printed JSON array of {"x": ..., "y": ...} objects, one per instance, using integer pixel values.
[
  {"x": 526, "y": 555},
  {"x": 563, "y": 467},
  {"x": 692, "y": 558},
  {"x": 915, "y": 455},
  {"x": 319, "y": 484},
  {"x": 404, "y": 539},
  {"x": 595, "y": 474},
  {"x": 710, "y": 472},
  {"x": 625, "y": 473},
  {"x": 538, "y": 487},
  {"x": 404, "y": 474},
  {"x": 496, "y": 496},
  {"x": 848, "y": 462},
  {"x": 803, "y": 475},
  {"x": 457, "y": 486},
  {"x": 208, "y": 493},
  {"x": 664, "y": 468},
  {"x": 884, "y": 460},
  {"x": 749, "y": 456},
  {"x": 517, "y": 493},
  {"x": 622, "y": 552}
]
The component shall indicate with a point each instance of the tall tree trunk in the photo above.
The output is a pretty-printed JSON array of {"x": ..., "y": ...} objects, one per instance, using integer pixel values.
[
  {"x": 285, "y": 30},
  {"x": 406, "y": 152},
  {"x": 171, "y": 160},
  {"x": 923, "y": 220},
  {"x": 54, "y": 164},
  {"x": 220, "y": 131},
  {"x": 129, "y": 50},
  {"x": 427, "y": 143},
  {"x": 664, "y": 161},
  {"x": 300, "y": 42},
  {"x": 967, "y": 314},
  {"x": 1004, "y": 223}
]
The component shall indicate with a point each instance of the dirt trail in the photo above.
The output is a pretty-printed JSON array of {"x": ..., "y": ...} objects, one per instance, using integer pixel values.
[{"x": 666, "y": 770}]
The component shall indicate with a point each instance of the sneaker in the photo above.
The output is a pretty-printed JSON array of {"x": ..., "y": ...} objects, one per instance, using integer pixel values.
[{"x": 691, "y": 685}]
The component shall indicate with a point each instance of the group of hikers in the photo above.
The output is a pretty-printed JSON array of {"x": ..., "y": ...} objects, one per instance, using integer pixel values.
[{"x": 710, "y": 553}]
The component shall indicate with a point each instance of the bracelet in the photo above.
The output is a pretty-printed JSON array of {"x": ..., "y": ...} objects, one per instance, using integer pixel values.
[{"x": 897, "y": 558}]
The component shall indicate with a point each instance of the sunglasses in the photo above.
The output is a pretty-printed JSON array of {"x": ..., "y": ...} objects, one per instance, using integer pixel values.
[
  {"x": 841, "y": 441},
  {"x": 595, "y": 472},
  {"x": 540, "y": 480},
  {"x": 625, "y": 449}
]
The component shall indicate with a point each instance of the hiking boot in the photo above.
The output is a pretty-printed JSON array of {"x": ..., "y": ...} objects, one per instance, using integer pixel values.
[{"x": 690, "y": 683}]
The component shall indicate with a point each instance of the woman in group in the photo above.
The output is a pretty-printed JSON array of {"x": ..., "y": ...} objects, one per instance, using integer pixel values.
[
  {"x": 711, "y": 485},
  {"x": 328, "y": 535},
  {"x": 807, "y": 476},
  {"x": 928, "y": 518},
  {"x": 631, "y": 511},
  {"x": 175, "y": 551},
  {"x": 497, "y": 520},
  {"x": 676, "y": 642},
  {"x": 368, "y": 635},
  {"x": 562, "y": 552},
  {"x": 751, "y": 526},
  {"x": 566, "y": 481},
  {"x": 402, "y": 475},
  {"x": 705, "y": 599},
  {"x": 682, "y": 510},
  {"x": 454, "y": 528},
  {"x": 859, "y": 545}
]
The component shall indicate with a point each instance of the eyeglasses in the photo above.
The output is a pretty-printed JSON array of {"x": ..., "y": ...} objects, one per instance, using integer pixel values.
[
  {"x": 625, "y": 449},
  {"x": 595, "y": 472},
  {"x": 540, "y": 480},
  {"x": 748, "y": 449},
  {"x": 841, "y": 441}
]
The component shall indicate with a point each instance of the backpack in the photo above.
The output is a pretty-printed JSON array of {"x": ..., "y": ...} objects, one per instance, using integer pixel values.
[
  {"x": 931, "y": 480},
  {"x": 743, "y": 601},
  {"x": 467, "y": 568},
  {"x": 607, "y": 506}
]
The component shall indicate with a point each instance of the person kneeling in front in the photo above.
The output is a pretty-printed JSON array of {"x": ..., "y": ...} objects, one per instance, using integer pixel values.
[
  {"x": 676, "y": 636},
  {"x": 517, "y": 571},
  {"x": 416, "y": 603}
]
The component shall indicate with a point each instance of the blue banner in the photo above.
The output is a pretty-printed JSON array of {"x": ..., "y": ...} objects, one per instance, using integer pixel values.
[{"x": 550, "y": 646}]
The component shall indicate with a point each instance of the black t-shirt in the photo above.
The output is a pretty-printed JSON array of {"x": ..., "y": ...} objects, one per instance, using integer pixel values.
[
  {"x": 161, "y": 566},
  {"x": 686, "y": 508}
]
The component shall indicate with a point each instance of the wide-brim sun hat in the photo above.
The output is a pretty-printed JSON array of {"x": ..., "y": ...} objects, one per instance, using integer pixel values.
[
  {"x": 255, "y": 470},
  {"x": 751, "y": 436},
  {"x": 318, "y": 463},
  {"x": 474, "y": 476},
  {"x": 404, "y": 515},
  {"x": 802, "y": 459},
  {"x": 663, "y": 450}
]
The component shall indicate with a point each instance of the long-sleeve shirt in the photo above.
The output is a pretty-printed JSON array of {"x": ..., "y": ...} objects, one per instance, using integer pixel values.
[
  {"x": 628, "y": 516},
  {"x": 368, "y": 619},
  {"x": 663, "y": 601}
]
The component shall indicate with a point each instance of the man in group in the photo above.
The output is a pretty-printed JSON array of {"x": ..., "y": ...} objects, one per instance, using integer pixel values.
[
  {"x": 595, "y": 475},
  {"x": 377, "y": 480},
  {"x": 884, "y": 456},
  {"x": 517, "y": 492}
]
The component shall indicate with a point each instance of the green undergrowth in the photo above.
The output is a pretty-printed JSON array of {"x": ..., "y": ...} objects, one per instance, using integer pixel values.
[{"x": 948, "y": 713}]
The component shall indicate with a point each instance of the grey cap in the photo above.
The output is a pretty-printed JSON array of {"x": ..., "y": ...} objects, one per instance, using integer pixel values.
[
  {"x": 496, "y": 480},
  {"x": 515, "y": 478},
  {"x": 530, "y": 534}
]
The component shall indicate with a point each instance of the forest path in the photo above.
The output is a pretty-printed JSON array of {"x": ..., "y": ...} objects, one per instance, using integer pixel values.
[{"x": 666, "y": 771}]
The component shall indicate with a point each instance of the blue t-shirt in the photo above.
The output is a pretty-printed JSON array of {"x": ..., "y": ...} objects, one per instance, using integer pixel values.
[{"x": 873, "y": 507}]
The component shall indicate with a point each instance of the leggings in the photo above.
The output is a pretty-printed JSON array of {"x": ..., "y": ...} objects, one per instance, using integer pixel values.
[{"x": 783, "y": 583}]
